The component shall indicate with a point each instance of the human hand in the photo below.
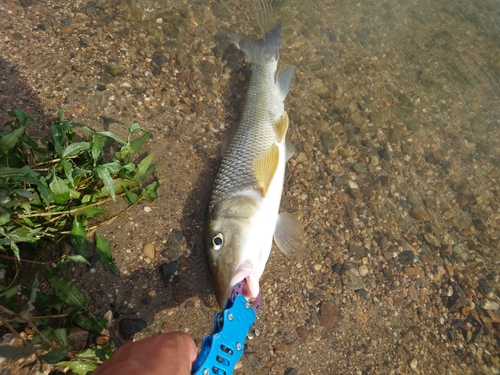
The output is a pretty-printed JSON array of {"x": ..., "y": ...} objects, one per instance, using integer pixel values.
[{"x": 164, "y": 354}]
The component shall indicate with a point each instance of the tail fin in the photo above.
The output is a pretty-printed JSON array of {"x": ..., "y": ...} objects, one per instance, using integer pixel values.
[{"x": 267, "y": 47}]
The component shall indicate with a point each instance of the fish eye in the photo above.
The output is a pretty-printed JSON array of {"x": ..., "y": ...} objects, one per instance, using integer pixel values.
[{"x": 217, "y": 241}]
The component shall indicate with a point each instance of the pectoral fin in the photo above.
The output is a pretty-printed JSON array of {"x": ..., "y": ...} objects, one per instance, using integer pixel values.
[
  {"x": 289, "y": 235},
  {"x": 281, "y": 126},
  {"x": 289, "y": 147},
  {"x": 265, "y": 167}
]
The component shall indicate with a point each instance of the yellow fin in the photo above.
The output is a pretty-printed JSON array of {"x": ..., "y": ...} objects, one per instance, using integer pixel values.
[
  {"x": 281, "y": 126},
  {"x": 265, "y": 166}
]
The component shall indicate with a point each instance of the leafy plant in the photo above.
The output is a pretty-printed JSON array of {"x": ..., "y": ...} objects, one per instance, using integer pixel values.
[{"x": 49, "y": 191}]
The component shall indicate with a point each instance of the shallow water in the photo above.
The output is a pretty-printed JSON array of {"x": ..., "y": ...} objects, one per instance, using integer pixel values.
[{"x": 395, "y": 115}]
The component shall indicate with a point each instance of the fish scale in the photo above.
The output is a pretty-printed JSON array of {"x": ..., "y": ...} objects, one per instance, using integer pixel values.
[{"x": 255, "y": 134}]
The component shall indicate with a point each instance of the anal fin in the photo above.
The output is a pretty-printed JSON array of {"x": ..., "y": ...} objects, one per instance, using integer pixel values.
[
  {"x": 289, "y": 235},
  {"x": 265, "y": 166}
]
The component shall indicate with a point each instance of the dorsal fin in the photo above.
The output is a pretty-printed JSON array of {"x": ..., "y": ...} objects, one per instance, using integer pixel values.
[
  {"x": 265, "y": 166},
  {"x": 281, "y": 126}
]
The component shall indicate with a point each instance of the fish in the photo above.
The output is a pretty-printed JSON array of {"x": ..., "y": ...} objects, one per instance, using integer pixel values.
[{"x": 243, "y": 212}]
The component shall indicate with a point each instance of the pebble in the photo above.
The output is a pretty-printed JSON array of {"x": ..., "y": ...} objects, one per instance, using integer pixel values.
[
  {"x": 328, "y": 141},
  {"x": 412, "y": 291},
  {"x": 109, "y": 317},
  {"x": 461, "y": 252},
  {"x": 484, "y": 287},
  {"x": 166, "y": 272},
  {"x": 459, "y": 299},
  {"x": 407, "y": 257},
  {"x": 101, "y": 340},
  {"x": 352, "y": 280},
  {"x": 328, "y": 314},
  {"x": 290, "y": 371},
  {"x": 302, "y": 332},
  {"x": 419, "y": 213},
  {"x": 113, "y": 70},
  {"x": 378, "y": 118},
  {"x": 176, "y": 245},
  {"x": 301, "y": 157},
  {"x": 149, "y": 250},
  {"x": 489, "y": 305},
  {"x": 411, "y": 271},
  {"x": 77, "y": 338},
  {"x": 363, "y": 270},
  {"x": 147, "y": 209},
  {"x": 432, "y": 240},
  {"x": 129, "y": 327},
  {"x": 394, "y": 136}
]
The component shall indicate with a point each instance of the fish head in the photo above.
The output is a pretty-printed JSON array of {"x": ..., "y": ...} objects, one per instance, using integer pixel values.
[{"x": 234, "y": 246}]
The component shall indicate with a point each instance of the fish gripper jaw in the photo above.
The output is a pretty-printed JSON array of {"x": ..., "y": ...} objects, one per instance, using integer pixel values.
[{"x": 221, "y": 350}]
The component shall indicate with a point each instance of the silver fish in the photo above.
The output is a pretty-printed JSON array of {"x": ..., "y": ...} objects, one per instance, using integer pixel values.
[{"x": 243, "y": 210}]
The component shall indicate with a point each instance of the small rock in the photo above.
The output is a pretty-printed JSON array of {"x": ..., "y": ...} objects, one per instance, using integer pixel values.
[
  {"x": 109, "y": 317},
  {"x": 26, "y": 3},
  {"x": 328, "y": 141},
  {"x": 100, "y": 87},
  {"x": 328, "y": 314},
  {"x": 432, "y": 240},
  {"x": 159, "y": 58},
  {"x": 378, "y": 118},
  {"x": 180, "y": 293},
  {"x": 489, "y": 305},
  {"x": 101, "y": 340},
  {"x": 290, "y": 371},
  {"x": 363, "y": 270},
  {"x": 407, "y": 257},
  {"x": 419, "y": 214},
  {"x": 394, "y": 136},
  {"x": 166, "y": 272},
  {"x": 411, "y": 271},
  {"x": 77, "y": 338},
  {"x": 113, "y": 70},
  {"x": 147, "y": 209},
  {"x": 302, "y": 333},
  {"x": 412, "y": 291},
  {"x": 388, "y": 274},
  {"x": 66, "y": 30},
  {"x": 129, "y": 327},
  {"x": 352, "y": 280},
  {"x": 461, "y": 252},
  {"x": 458, "y": 298},
  {"x": 176, "y": 245},
  {"x": 358, "y": 251},
  {"x": 149, "y": 250},
  {"x": 484, "y": 287},
  {"x": 301, "y": 157},
  {"x": 66, "y": 248},
  {"x": 479, "y": 225}
]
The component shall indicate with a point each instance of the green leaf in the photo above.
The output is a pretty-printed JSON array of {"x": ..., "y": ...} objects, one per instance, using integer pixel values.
[
  {"x": 34, "y": 290},
  {"x": 15, "y": 250},
  {"x": 92, "y": 211},
  {"x": 97, "y": 147},
  {"x": 106, "y": 178},
  {"x": 142, "y": 167},
  {"x": 131, "y": 196},
  {"x": 68, "y": 171},
  {"x": 137, "y": 144},
  {"x": 60, "y": 190},
  {"x": 112, "y": 136},
  {"x": 58, "y": 138},
  {"x": 7, "y": 293},
  {"x": 134, "y": 128},
  {"x": 78, "y": 238},
  {"x": 4, "y": 216},
  {"x": 93, "y": 324},
  {"x": 104, "y": 253},
  {"x": 47, "y": 301},
  {"x": 80, "y": 367},
  {"x": 112, "y": 167},
  {"x": 61, "y": 336},
  {"x": 20, "y": 115},
  {"x": 76, "y": 258},
  {"x": 55, "y": 355},
  {"x": 74, "y": 149},
  {"x": 9, "y": 140},
  {"x": 60, "y": 114},
  {"x": 67, "y": 291}
]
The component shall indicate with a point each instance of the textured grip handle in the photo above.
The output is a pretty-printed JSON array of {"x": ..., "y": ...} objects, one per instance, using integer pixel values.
[{"x": 224, "y": 347}]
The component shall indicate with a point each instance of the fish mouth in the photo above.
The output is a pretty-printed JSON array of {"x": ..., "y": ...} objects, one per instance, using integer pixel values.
[{"x": 245, "y": 272}]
